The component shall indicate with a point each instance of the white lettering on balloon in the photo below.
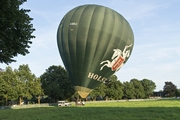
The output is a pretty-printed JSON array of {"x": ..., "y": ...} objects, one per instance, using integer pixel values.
[
  {"x": 73, "y": 23},
  {"x": 96, "y": 77}
]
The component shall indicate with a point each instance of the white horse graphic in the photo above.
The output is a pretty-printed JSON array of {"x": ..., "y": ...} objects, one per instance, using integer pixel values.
[{"x": 118, "y": 59}]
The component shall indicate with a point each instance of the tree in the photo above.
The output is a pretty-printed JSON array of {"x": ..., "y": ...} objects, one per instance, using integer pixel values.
[
  {"x": 8, "y": 83},
  {"x": 149, "y": 87},
  {"x": 15, "y": 30},
  {"x": 36, "y": 89},
  {"x": 28, "y": 85},
  {"x": 170, "y": 90},
  {"x": 138, "y": 88},
  {"x": 56, "y": 83},
  {"x": 129, "y": 90},
  {"x": 98, "y": 92},
  {"x": 19, "y": 84},
  {"x": 178, "y": 93},
  {"x": 114, "y": 88}
]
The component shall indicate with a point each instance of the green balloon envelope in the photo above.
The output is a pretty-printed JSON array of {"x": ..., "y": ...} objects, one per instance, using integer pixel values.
[{"x": 94, "y": 42}]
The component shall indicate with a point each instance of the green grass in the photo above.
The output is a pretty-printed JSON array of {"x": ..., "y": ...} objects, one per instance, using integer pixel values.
[{"x": 129, "y": 110}]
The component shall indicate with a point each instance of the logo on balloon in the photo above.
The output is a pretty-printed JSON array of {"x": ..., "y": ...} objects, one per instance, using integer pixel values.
[
  {"x": 96, "y": 77},
  {"x": 73, "y": 23},
  {"x": 117, "y": 59}
]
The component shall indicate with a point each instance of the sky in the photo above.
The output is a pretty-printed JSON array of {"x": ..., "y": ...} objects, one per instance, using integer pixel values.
[{"x": 156, "y": 28}]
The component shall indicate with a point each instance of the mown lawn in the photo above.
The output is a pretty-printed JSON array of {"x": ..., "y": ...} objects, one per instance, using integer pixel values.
[{"x": 129, "y": 110}]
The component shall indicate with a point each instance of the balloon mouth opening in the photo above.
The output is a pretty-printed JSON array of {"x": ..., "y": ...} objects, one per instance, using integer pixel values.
[{"x": 83, "y": 91}]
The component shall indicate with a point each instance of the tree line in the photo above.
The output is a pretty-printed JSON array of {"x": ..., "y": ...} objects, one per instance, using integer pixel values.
[
  {"x": 19, "y": 84},
  {"x": 57, "y": 77},
  {"x": 116, "y": 90},
  {"x": 54, "y": 84}
]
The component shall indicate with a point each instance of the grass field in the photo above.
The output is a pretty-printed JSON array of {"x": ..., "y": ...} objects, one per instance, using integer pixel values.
[{"x": 107, "y": 110}]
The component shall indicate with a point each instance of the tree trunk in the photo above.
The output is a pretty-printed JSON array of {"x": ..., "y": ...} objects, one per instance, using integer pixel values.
[
  {"x": 6, "y": 99},
  {"x": 20, "y": 100},
  {"x": 39, "y": 98},
  {"x": 94, "y": 98}
]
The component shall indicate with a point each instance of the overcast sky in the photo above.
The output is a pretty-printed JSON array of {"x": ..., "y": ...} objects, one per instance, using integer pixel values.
[{"x": 156, "y": 27}]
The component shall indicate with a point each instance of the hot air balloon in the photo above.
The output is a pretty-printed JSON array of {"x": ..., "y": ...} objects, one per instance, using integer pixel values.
[{"x": 94, "y": 42}]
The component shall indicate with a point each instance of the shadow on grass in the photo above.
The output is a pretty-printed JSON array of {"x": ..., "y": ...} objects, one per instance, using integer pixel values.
[{"x": 92, "y": 113}]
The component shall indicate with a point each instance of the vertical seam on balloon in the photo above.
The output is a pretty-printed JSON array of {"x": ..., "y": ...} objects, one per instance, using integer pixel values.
[
  {"x": 60, "y": 36},
  {"x": 110, "y": 38},
  {"x": 98, "y": 39},
  {"x": 123, "y": 26},
  {"x": 78, "y": 34},
  {"x": 61, "y": 42},
  {"x": 91, "y": 60},
  {"x": 63, "y": 46},
  {"x": 115, "y": 17},
  {"x": 87, "y": 38},
  {"x": 122, "y": 20},
  {"x": 130, "y": 29},
  {"x": 70, "y": 54}
]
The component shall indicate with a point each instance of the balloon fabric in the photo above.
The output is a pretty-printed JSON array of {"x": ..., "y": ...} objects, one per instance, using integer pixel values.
[{"x": 94, "y": 42}]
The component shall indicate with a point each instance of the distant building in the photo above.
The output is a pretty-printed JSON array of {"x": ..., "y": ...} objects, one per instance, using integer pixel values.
[{"x": 158, "y": 94}]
